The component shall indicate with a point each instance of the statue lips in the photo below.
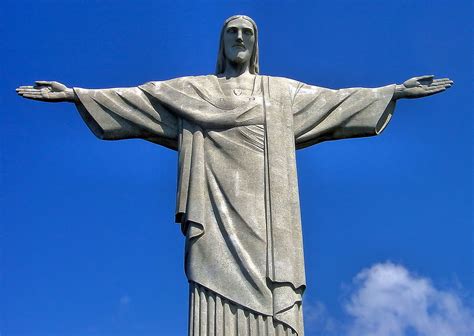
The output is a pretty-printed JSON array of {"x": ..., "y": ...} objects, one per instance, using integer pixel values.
[{"x": 239, "y": 46}]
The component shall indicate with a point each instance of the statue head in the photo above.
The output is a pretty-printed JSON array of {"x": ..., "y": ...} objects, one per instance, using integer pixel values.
[{"x": 238, "y": 43}]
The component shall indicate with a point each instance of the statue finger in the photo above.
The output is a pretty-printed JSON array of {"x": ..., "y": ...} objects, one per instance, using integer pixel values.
[
  {"x": 32, "y": 96},
  {"x": 435, "y": 90},
  {"x": 25, "y": 87},
  {"x": 442, "y": 82},
  {"x": 441, "y": 79},
  {"x": 28, "y": 90},
  {"x": 437, "y": 87},
  {"x": 425, "y": 77},
  {"x": 448, "y": 82},
  {"x": 42, "y": 83},
  {"x": 45, "y": 88}
]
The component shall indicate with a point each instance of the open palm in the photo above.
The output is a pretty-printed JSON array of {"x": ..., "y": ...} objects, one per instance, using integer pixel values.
[
  {"x": 46, "y": 91},
  {"x": 418, "y": 87}
]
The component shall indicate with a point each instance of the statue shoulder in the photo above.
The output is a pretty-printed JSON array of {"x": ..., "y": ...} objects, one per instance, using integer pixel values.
[
  {"x": 283, "y": 82},
  {"x": 294, "y": 84},
  {"x": 182, "y": 82}
]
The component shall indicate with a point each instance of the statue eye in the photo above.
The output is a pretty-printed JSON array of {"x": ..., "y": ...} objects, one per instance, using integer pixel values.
[
  {"x": 232, "y": 30},
  {"x": 248, "y": 32}
]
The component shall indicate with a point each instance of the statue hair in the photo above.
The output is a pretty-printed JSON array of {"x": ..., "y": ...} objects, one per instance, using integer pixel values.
[{"x": 221, "y": 58}]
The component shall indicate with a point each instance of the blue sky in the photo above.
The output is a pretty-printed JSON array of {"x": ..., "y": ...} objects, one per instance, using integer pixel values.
[{"x": 88, "y": 244}]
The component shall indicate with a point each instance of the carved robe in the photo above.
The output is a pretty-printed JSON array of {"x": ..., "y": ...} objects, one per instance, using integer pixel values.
[{"x": 237, "y": 199}]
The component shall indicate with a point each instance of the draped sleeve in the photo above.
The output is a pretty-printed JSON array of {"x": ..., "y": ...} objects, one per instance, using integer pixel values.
[
  {"x": 125, "y": 113},
  {"x": 321, "y": 114}
]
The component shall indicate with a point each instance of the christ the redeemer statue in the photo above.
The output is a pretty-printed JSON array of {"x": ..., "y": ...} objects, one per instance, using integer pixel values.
[{"x": 236, "y": 133}]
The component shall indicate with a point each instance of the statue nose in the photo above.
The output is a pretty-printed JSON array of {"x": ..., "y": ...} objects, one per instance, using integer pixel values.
[{"x": 239, "y": 37}]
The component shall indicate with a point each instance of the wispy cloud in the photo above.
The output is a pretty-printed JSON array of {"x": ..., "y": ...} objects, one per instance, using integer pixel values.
[
  {"x": 317, "y": 319},
  {"x": 124, "y": 300},
  {"x": 388, "y": 300}
]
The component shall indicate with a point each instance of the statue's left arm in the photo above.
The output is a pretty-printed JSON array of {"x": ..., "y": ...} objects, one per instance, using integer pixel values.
[{"x": 322, "y": 114}]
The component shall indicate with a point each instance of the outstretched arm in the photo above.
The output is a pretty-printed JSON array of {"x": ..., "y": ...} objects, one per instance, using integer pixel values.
[
  {"x": 423, "y": 86},
  {"x": 48, "y": 91},
  {"x": 322, "y": 114},
  {"x": 113, "y": 114}
]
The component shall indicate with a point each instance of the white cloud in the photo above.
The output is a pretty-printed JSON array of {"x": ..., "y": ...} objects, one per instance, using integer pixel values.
[{"x": 390, "y": 301}]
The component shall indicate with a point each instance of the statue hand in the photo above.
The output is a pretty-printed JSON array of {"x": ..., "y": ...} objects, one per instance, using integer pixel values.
[
  {"x": 423, "y": 86},
  {"x": 47, "y": 91}
]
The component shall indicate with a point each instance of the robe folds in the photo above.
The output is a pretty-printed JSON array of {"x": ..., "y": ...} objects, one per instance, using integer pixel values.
[{"x": 237, "y": 196}]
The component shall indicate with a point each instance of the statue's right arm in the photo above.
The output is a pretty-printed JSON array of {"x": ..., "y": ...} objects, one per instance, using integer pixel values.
[
  {"x": 113, "y": 114},
  {"x": 48, "y": 91}
]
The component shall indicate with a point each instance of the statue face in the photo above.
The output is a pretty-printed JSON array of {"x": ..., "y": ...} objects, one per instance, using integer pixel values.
[{"x": 239, "y": 39}]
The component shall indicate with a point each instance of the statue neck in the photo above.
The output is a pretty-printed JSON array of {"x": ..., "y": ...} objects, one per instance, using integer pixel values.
[{"x": 236, "y": 70}]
